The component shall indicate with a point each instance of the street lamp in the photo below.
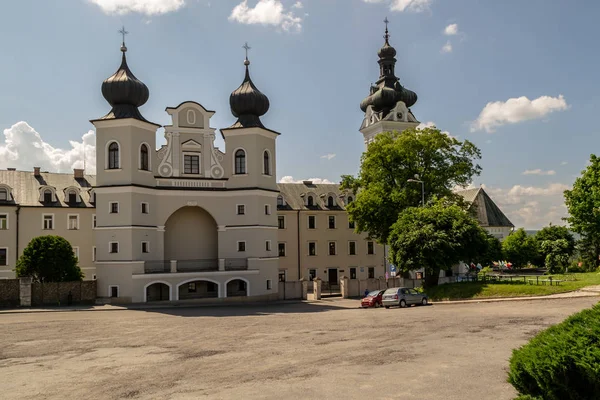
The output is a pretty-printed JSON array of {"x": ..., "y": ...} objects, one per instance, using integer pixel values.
[{"x": 417, "y": 180}]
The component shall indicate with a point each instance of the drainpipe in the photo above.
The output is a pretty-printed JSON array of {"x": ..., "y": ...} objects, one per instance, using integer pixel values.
[
  {"x": 298, "y": 245},
  {"x": 17, "y": 211}
]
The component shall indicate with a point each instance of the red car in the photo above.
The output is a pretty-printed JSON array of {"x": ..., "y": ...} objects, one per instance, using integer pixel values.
[{"x": 373, "y": 299}]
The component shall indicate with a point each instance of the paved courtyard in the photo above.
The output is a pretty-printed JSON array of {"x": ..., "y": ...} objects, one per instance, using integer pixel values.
[{"x": 330, "y": 350}]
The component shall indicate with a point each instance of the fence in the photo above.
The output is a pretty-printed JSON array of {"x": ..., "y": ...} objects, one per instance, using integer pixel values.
[{"x": 51, "y": 293}]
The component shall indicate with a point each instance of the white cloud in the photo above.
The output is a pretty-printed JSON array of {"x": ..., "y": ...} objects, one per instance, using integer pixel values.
[
  {"x": 447, "y": 48},
  {"x": 431, "y": 124},
  {"x": 451, "y": 30},
  {"x": 405, "y": 5},
  {"x": 316, "y": 181},
  {"x": 298, "y": 5},
  {"x": 329, "y": 156},
  {"x": 24, "y": 148},
  {"x": 564, "y": 163},
  {"x": 266, "y": 12},
  {"x": 538, "y": 172},
  {"x": 147, "y": 7},
  {"x": 516, "y": 110}
]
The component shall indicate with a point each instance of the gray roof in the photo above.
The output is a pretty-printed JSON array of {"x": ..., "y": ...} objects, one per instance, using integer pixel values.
[
  {"x": 487, "y": 212},
  {"x": 26, "y": 186},
  {"x": 295, "y": 193}
]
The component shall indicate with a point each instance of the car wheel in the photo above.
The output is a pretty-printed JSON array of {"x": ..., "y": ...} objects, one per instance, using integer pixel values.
[
  {"x": 387, "y": 307},
  {"x": 402, "y": 303},
  {"x": 424, "y": 301},
  {"x": 376, "y": 305}
]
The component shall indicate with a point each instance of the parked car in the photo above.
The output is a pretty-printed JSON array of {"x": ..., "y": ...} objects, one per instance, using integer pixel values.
[
  {"x": 373, "y": 299},
  {"x": 403, "y": 297}
]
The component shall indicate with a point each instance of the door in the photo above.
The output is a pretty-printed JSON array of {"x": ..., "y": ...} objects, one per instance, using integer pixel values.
[
  {"x": 333, "y": 276},
  {"x": 412, "y": 297}
]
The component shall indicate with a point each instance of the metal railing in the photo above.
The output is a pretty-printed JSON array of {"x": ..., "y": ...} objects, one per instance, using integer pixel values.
[
  {"x": 157, "y": 267},
  {"x": 198, "y": 265},
  {"x": 236, "y": 264}
]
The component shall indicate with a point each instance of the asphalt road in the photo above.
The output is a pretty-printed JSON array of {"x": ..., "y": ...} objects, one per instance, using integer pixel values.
[{"x": 330, "y": 350}]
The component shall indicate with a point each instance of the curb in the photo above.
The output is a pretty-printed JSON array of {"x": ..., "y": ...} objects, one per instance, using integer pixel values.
[{"x": 519, "y": 298}]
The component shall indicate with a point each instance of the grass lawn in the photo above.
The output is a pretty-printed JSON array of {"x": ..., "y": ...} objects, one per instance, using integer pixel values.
[{"x": 478, "y": 290}]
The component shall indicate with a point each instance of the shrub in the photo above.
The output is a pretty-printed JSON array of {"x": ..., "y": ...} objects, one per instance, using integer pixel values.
[
  {"x": 49, "y": 259},
  {"x": 562, "y": 362}
]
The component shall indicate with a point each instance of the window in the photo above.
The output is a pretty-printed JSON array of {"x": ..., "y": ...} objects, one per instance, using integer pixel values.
[
  {"x": 240, "y": 162},
  {"x": 114, "y": 207},
  {"x": 370, "y": 248},
  {"x": 72, "y": 198},
  {"x": 311, "y": 201},
  {"x": 94, "y": 221},
  {"x": 48, "y": 222},
  {"x": 3, "y": 221},
  {"x": 3, "y": 195},
  {"x": 191, "y": 164},
  {"x": 4, "y": 256},
  {"x": 352, "y": 273},
  {"x": 241, "y": 209},
  {"x": 269, "y": 284},
  {"x": 312, "y": 274},
  {"x": 350, "y": 199},
  {"x": 266, "y": 163},
  {"x": 113, "y": 247},
  {"x": 330, "y": 202},
  {"x": 113, "y": 156},
  {"x": 241, "y": 246},
  {"x": 192, "y": 287},
  {"x": 145, "y": 247},
  {"x": 73, "y": 222},
  {"x": 94, "y": 253},
  {"x": 351, "y": 225},
  {"x": 331, "y": 222},
  {"x": 144, "y": 164},
  {"x": 144, "y": 208},
  {"x": 282, "y": 275},
  {"x": 268, "y": 245},
  {"x": 312, "y": 248},
  {"x": 281, "y": 222},
  {"x": 267, "y": 209},
  {"x": 281, "y": 249},
  {"x": 332, "y": 249},
  {"x": 352, "y": 248},
  {"x": 114, "y": 291},
  {"x": 371, "y": 272},
  {"x": 47, "y": 196},
  {"x": 280, "y": 202},
  {"x": 76, "y": 251},
  {"x": 311, "y": 222}
]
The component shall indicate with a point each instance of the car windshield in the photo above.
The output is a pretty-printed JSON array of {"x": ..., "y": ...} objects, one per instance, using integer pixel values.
[{"x": 373, "y": 294}]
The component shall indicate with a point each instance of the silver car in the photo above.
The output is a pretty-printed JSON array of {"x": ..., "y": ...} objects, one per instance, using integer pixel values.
[{"x": 403, "y": 297}]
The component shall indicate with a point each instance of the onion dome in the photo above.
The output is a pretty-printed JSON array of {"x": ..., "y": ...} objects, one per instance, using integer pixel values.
[
  {"x": 387, "y": 51},
  {"x": 124, "y": 92},
  {"x": 248, "y": 103}
]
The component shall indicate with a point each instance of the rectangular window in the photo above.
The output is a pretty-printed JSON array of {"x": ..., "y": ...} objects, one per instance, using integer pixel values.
[
  {"x": 267, "y": 209},
  {"x": 281, "y": 222},
  {"x": 351, "y": 225},
  {"x": 48, "y": 222},
  {"x": 332, "y": 249},
  {"x": 76, "y": 251},
  {"x": 311, "y": 222},
  {"x": 145, "y": 208},
  {"x": 94, "y": 253},
  {"x": 353, "y": 273},
  {"x": 145, "y": 247},
  {"x": 3, "y": 221},
  {"x": 352, "y": 248},
  {"x": 241, "y": 209},
  {"x": 282, "y": 275},
  {"x": 114, "y": 207},
  {"x": 371, "y": 272},
  {"x": 192, "y": 287},
  {"x": 72, "y": 198},
  {"x": 191, "y": 164},
  {"x": 113, "y": 247},
  {"x": 312, "y": 274},
  {"x": 269, "y": 284},
  {"x": 73, "y": 223},
  {"x": 268, "y": 245},
  {"x": 331, "y": 222},
  {"x": 94, "y": 221},
  {"x": 312, "y": 248},
  {"x": 241, "y": 246},
  {"x": 370, "y": 248},
  {"x": 3, "y": 256},
  {"x": 114, "y": 291},
  {"x": 281, "y": 249}
]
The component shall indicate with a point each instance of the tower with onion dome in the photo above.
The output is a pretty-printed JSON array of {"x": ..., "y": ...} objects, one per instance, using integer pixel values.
[{"x": 388, "y": 105}]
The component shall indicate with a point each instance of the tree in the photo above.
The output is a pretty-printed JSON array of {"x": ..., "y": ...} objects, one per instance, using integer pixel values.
[
  {"x": 556, "y": 254},
  {"x": 553, "y": 233},
  {"x": 519, "y": 248},
  {"x": 493, "y": 251},
  {"x": 381, "y": 188},
  {"x": 583, "y": 205},
  {"x": 435, "y": 238},
  {"x": 49, "y": 259}
]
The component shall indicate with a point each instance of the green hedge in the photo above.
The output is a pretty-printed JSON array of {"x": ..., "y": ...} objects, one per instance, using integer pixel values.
[{"x": 562, "y": 362}]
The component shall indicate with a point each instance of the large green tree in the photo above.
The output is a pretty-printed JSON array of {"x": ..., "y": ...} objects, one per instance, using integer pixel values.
[
  {"x": 382, "y": 188},
  {"x": 493, "y": 251},
  {"x": 519, "y": 248},
  {"x": 556, "y": 254},
  {"x": 49, "y": 259},
  {"x": 435, "y": 238},
  {"x": 583, "y": 204},
  {"x": 553, "y": 233}
]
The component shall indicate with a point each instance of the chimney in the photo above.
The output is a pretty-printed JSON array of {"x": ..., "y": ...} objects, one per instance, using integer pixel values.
[
  {"x": 36, "y": 171},
  {"x": 78, "y": 173},
  {"x": 11, "y": 169}
]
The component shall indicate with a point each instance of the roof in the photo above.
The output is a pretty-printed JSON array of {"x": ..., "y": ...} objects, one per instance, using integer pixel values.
[
  {"x": 295, "y": 193},
  {"x": 26, "y": 187},
  {"x": 486, "y": 211}
]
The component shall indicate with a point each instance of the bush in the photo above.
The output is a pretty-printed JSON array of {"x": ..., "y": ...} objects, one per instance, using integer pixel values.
[
  {"x": 49, "y": 259},
  {"x": 562, "y": 362}
]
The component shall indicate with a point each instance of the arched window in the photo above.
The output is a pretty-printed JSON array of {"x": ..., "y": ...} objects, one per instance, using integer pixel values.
[
  {"x": 350, "y": 199},
  {"x": 3, "y": 194},
  {"x": 311, "y": 201},
  {"x": 280, "y": 201},
  {"x": 330, "y": 202},
  {"x": 47, "y": 196},
  {"x": 266, "y": 163},
  {"x": 240, "y": 162},
  {"x": 72, "y": 197},
  {"x": 113, "y": 156},
  {"x": 144, "y": 165}
]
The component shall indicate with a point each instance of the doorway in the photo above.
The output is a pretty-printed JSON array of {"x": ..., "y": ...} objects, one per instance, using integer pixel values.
[{"x": 333, "y": 276}]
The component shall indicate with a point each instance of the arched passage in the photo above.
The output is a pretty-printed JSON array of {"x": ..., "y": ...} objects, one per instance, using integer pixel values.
[
  {"x": 157, "y": 291},
  {"x": 198, "y": 289},
  {"x": 236, "y": 287},
  {"x": 191, "y": 234}
]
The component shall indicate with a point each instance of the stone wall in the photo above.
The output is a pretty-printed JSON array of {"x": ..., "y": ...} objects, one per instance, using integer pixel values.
[
  {"x": 9, "y": 292},
  {"x": 290, "y": 290},
  {"x": 57, "y": 293},
  {"x": 357, "y": 287}
]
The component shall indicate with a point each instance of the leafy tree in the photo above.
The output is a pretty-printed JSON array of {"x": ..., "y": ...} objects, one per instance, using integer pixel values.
[
  {"x": 553, "y": 233},
  {"x": 519, "y": 248},
  {"x": 382, "y": 191},
  {"x": 583, "y": 204},
  {"x": 493, "y": 251},
  {"x": 49, "y": 259},
  {"x": 557, "y": 254},
  {"x": 435, "y": 238}
]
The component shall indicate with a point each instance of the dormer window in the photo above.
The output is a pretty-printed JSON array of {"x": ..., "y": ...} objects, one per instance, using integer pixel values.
[
  {"x": 72, "y": 198},
  {"x": 311, "y": 201},
  {"x": 47, "y": 196},
  {"x": 280, "y": 202},
  {"x": 350, "y": 199},
  {"x": 3, "y": 194},
  {"x": 330, "y": 202}
]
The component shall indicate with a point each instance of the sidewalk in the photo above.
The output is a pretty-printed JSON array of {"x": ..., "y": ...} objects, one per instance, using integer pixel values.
[{"x": 592, "y": 291}]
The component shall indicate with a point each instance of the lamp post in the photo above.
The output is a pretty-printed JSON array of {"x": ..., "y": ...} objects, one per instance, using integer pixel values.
[{"x": 417, "y": 180}]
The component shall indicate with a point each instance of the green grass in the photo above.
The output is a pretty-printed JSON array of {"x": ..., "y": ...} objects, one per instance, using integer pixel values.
[{"x": 481, "y": 290}]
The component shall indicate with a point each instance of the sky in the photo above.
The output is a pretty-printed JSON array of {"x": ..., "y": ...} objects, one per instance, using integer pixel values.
[{"x": 517, "y": 78}]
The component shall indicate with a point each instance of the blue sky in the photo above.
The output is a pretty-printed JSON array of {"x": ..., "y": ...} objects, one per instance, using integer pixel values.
[{"x": 535, "y": 61}]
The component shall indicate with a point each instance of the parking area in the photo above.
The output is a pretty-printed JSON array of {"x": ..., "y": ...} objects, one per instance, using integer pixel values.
[{"x": 326, "y": 350}]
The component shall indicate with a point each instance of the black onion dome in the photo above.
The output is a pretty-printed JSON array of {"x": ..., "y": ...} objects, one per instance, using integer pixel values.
[
  {"x": 248, "y": 103},
  {"x": 386, "y": 51}
]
